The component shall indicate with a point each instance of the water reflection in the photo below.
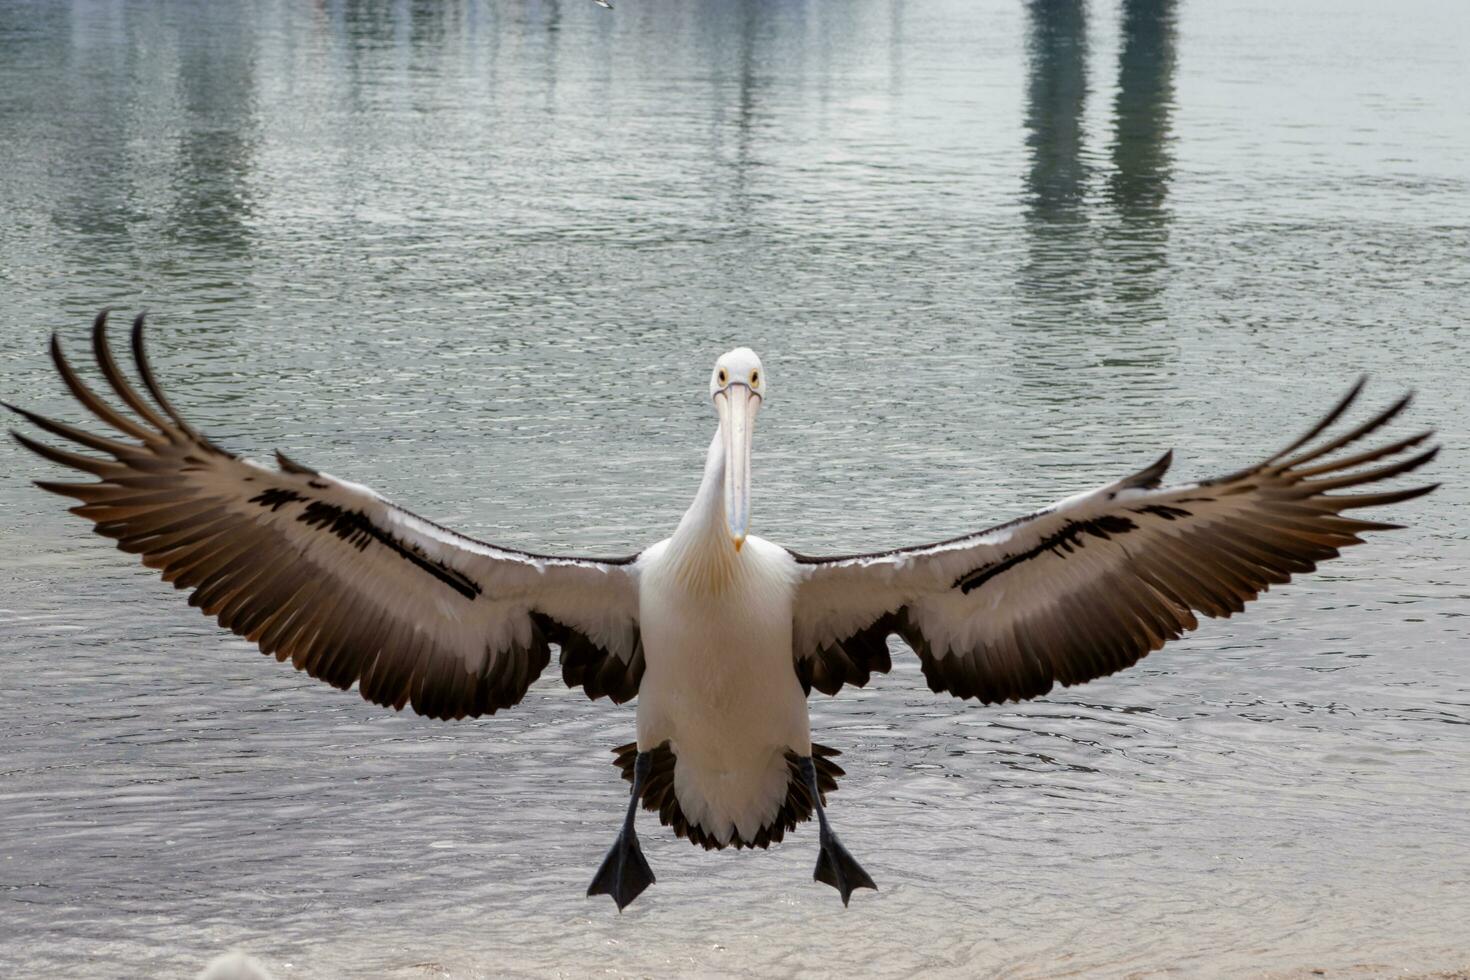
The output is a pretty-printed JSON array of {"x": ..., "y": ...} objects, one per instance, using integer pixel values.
[
  {"x": 746, "y": 107},
  {"x": 212, "y": 198},
  {"x": 369, "y": 23},
  {"x": 86, "y": 206},
  {"x": 1056, "y": 98},
  {"x": 1139, "y": 183},
  {"x": 1142, "y": 161},
  {"x": 1097, "y": 250},
  {"x": 1057, "y": 277},
  {"x": 427, "y": 21}
]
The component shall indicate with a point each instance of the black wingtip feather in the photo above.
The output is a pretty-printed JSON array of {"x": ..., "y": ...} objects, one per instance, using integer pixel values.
[
  {"x": 1365, "y": 429},
  {"x": 145, "y": 371},
  {"x": 289, "y": 465},
  {"x": 62, "y": 489},
  {"x": 1150, "y": 477},
  {"x": 102, "y": 351},
  {"x": 87, "y": 464},
  {"x": 1372, "y": 475},
  {"x": 1336, "y": 413},
  {"x": 1347, "y": 501},
  {"x": 91, "y": 401}
]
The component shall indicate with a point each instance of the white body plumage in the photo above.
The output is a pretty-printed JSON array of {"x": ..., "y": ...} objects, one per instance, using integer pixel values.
[{"x": 719, "y": 685}]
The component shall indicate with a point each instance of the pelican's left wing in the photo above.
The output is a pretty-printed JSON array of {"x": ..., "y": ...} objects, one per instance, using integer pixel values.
[
  {"x": 326, "y": 573},
  {"x": 1093, "y": 583}
]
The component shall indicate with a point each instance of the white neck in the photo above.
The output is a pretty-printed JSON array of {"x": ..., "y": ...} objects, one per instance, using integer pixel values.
[{"x": 701, "y": 550}]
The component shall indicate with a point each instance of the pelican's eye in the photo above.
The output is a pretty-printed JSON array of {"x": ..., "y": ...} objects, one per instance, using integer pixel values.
[
  {"x": 722, "y": 376},
  {"x": 755, "y": 379}
]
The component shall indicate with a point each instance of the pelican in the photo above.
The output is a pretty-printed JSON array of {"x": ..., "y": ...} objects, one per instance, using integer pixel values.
[{"x": 720, "y": 634}]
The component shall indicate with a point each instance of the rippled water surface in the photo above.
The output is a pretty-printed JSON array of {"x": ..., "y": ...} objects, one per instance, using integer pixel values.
[{"x": 482, "y": 256}]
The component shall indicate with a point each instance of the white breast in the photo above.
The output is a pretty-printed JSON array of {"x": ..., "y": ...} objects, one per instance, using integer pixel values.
[{"x": 720, "y": 685}]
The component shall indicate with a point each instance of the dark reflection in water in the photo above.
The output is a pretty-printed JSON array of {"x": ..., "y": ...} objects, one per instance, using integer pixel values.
[
  {"x": 1056, "y": 98},
  {"x": 430, "y": 21},
  {"x": 88, "y": 209},
  {"x": 1097, "y": 258},
  {"x": 369, "y": 23},
  {"x": 745, "y": 103},
  {"x": 217, "y": 139},
  {"x": 1138, "y": 184},
  {"x": 1142, "y": 160},
  {"x": 1058, "y": 277}
]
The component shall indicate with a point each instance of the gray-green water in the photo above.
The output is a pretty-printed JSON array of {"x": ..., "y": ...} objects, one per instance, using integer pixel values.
[{"x": 482, "y": 256}]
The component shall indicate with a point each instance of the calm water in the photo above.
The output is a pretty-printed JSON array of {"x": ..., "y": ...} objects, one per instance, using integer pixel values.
[{"x": 481, "y": 257}]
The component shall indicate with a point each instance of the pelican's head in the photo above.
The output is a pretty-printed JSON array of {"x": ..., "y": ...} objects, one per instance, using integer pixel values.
[{"x": 738, "y": 386}]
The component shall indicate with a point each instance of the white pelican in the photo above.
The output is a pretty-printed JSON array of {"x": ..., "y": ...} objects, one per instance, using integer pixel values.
[{"x": 721, "y": 633}]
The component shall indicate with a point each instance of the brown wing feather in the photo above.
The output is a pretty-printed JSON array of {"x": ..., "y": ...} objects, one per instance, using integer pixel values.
[
  {"x": 1092, "y": 585},
  {"x": 348, "y": 588}
]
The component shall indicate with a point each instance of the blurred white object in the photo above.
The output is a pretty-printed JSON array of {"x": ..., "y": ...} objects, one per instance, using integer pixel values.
[{"x": 235, "y": 966}]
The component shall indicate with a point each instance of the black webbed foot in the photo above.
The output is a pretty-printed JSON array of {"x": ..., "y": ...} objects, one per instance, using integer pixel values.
[
  {"x": 839, "y": 869},
  {"x": 835, "y": 866},
  {"x": 624, "y": 873}
]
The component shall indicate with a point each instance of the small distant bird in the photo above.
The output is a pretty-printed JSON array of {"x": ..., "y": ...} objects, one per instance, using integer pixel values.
[
  {"x": 720, "y": 634},
  {"x": 603, "y": 3}
]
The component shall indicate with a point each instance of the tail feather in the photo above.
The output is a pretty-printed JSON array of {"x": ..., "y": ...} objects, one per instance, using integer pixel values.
[{"x": 658, "y": 796}]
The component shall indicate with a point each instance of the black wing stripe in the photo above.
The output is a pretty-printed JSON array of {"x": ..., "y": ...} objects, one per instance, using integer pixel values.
[{"x": 1071, "y": 537}]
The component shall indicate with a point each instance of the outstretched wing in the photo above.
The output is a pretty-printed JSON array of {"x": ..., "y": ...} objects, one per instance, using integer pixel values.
[
  {"x": 1095, "y": 582},
  {"x": 326, "y": 573}
]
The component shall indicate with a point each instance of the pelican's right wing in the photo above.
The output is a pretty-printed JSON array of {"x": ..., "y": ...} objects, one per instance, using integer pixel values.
[
  {"x": 326, "y": 573},
  {"x": 1093, "y": 583}
]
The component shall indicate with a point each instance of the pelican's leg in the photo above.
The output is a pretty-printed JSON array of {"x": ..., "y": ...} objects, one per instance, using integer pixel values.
[
  {"x": 834, "y": 865},
  {"x": 624, "y": 873}
]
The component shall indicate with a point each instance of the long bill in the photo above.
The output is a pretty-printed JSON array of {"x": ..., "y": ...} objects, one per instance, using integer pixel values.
[{"x": 737, "y": 407}]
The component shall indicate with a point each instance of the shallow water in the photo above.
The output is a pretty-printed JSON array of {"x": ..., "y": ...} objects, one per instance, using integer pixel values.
[{"x": 481, "y": 257}]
